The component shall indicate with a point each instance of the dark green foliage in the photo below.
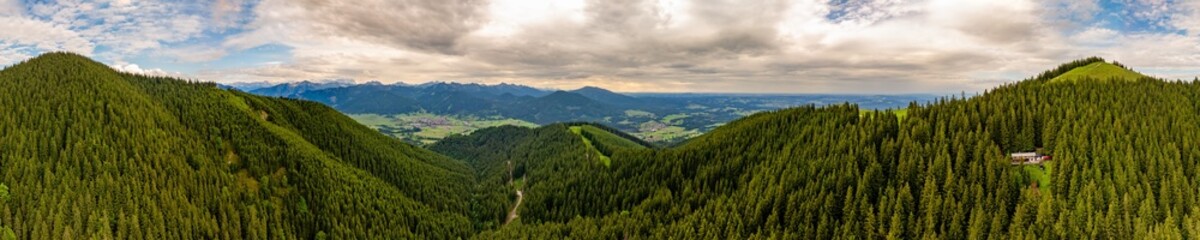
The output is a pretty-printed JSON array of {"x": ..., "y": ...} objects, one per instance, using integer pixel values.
[
  {"x": 614, "y": 133},
  {"x": 4, "y": 195},
  {"x": 86, "y": 152},
  {"x": 1124, "y": 168},
  {"x": 92, "y": 153},
  {"x": 496, "y": 168},
  {"x": 530, "y": 152},
  {"x": 7, "y": 234}
]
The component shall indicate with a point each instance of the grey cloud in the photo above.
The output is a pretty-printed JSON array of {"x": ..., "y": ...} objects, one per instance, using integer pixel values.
[
  {"x": 620, "y": 16},
  {"x": 1071, "y": 11},
  {"x": 629, "y": 35},
  {"x": 425, "y": 25},
  {"x": 751, "y": 41},
  {"x": 630, "y": 39},
  {"x": 227, "y": 14},
  {"x": 999, "y": 28},
  {"x": 713, "y": 45},
  {"x": 11, "y": 8},
  {"x": 740, "y": 28},
  {"x": 679, "y": 65}
]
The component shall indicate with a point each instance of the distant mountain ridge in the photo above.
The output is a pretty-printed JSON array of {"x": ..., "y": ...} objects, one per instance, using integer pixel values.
[
  {"x": 612, "y": 98},
  {"x": 498, "y": 89},
  {"x": 659, "y": 118},
  {"x": 293, "y": 89},
  {"x": 511, "y": 100},
  {"x": 247, "y": 86}
]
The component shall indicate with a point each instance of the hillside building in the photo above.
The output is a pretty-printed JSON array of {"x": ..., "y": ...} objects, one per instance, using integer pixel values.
[{"x": 1019, "y": 158}]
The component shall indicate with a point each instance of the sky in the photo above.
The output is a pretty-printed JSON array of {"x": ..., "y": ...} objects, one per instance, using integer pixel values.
[{"x": 731, "y": 46}]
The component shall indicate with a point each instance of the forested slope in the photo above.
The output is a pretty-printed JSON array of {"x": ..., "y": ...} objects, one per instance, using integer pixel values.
[
  {"x": 1124, "y": 160},
  {"x": 87, "y": 152}
]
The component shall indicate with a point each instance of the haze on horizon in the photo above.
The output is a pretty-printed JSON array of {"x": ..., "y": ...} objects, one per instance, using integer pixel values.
[{"x": 799, "y": 46}]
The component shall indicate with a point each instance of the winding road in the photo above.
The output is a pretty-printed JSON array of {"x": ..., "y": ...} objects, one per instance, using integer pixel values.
[{"x": 512, "y": 214}]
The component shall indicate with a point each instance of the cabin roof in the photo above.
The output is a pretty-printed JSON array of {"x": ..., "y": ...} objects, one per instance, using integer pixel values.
[{"x": 1024, "y": 154}]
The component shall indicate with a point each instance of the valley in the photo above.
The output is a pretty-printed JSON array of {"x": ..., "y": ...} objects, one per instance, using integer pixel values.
[
  {"x": 424, "y": 128},
  {"x": 423, "y": 114}
]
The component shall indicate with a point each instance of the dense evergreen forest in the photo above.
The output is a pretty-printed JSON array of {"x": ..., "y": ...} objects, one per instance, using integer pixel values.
[
  {"x": 88, "y": 152},
  {"x": 1124, "y": 167}
]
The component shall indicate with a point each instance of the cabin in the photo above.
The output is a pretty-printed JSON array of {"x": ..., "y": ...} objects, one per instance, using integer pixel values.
[{"x": 1019, "y": 158}]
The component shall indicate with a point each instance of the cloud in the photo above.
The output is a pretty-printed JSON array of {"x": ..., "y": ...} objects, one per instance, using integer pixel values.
[
  {"x": 135, "y": 69},
  {"x": 10, "y": 8},
  {"x": 867, "y": 46},
  {"x": 866, "y": 11},
  {"x": 1170, "y": 55},
  {"x": 194, "y": 54},
  {"x": 1155, "y": 12},
  {"x": 25, "y": 33},
  {"x": 993, "y": 21},
  {"x": 227, "y": 14},
  {"x": 1187, "y": 17},
  {"x": 24, "y": 37},
  {"x": 418, "y": 25},
  {"x": 127, "y": 27},
  {"x": 777, "y": 46},
  {"x": 665, "y": 45},
  {"x": 119, "y": 29},
  {"x": 633, "y": 39}
]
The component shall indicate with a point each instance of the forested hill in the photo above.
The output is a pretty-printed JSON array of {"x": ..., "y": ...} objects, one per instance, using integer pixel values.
[
  {"x": 1124, "y": 166},
  {"x": 1100, "y": 70},
  {"x": 87, "y": 152}
]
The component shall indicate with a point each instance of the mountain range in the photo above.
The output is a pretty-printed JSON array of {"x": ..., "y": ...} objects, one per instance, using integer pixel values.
[
  {"x": 536, "y": 105},
  {"x": 648, "y": 115}
]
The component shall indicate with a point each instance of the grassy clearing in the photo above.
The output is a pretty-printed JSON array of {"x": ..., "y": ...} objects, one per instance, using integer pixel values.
[
  {"x": 656, "y": 131},
  {"x": 900, "y": 113},
  {"x": 603, "y": 159},
  {"x": 1042, "y": 176},
  {"x": 746, "y": 112},
  {"x": 608, "y": 139},
  {"x": 1099, "y": 71},
  {"x": 440, "y": 132},
  {"x": 671, "y": 119},
  {"x": 668, "y": 133},
  {"x": 519, "y": 183},
  {"x": 428, "y": 128},
  {"x": 639, "y": 113},
  {"x": 371, "y": 120}
]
